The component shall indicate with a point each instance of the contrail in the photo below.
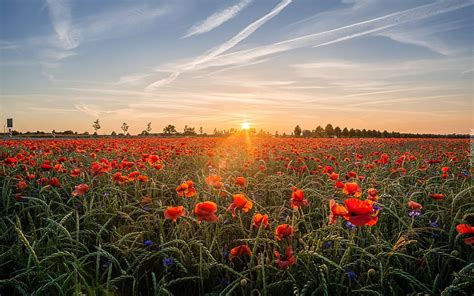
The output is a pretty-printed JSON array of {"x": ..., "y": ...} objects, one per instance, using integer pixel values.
[
  {"x": 223, "y": 47},
  {"x": 217, "y": 19},
  {"x": 338, "y": 34}
]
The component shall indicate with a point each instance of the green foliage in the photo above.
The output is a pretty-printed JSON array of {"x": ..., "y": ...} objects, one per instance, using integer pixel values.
[{"x": 52, "y": 243}]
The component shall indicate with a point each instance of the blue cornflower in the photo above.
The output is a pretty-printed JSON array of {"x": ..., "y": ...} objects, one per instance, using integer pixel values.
[
  {"x": 350, "y": 225},
  {"x": 148, "y": 243},
  {"x": 377, "y": 208},
  {"x": 168, "y": 261},
  {"x": 352, "y": 275},
  {"x": 434, "y": 224},
  {"x": 327, "y": 245}
]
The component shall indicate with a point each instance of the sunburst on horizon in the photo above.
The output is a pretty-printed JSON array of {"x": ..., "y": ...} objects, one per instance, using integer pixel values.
[{"x": 245, "y": 125}]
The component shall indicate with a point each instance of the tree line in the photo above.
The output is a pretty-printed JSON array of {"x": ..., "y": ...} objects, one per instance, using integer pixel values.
[
  {"x": 319, "y": 132},
  {"x": 336, "y": 132}
]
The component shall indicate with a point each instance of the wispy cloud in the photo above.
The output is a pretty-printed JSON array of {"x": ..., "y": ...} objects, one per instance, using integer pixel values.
[
  {"x": 95, "y": 111},
  {"x": 6, "y": 45},
  {"x": 217, "y": 19},
  {"x": 60, "y": 12},
  {"x": 425, "y": 36},
  {"x": 247, "y": 31},
  {"x": 339, "y": 34}
]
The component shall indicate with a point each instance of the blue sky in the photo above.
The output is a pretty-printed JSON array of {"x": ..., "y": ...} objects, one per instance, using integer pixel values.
[{"x": 395, "y": 65}]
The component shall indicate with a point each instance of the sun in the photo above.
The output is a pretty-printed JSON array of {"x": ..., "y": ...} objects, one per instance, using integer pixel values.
[{"x": 245, "y": 125}]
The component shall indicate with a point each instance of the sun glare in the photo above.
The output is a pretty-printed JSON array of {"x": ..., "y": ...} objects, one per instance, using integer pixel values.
[{"x": 245, "y": 125}]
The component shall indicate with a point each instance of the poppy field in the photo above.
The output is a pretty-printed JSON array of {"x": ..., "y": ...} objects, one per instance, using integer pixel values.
[{"x": 236, "y": 216}]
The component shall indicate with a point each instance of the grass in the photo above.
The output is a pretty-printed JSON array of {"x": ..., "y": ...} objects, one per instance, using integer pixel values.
[{"x": 52, "y": 243}]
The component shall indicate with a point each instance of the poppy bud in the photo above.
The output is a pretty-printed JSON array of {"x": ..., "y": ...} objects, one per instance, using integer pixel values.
[
  {"x": 455, "y": 253},
  {"x": 323, "y": 268},
  {"x": 371, "y": 273},
  {"x": 243, "y": 282}
]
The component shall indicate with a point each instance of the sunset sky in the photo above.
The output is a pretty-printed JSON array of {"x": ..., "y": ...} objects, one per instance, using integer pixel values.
[{"x": 404, "y": 65}]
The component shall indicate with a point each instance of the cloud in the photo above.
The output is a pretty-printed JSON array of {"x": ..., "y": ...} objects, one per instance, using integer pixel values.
[
  {"x": 60, "y": 13},
  {"x": 337, "y": 35},
  {"x": 211, "y": 54},
  {"x": 94, "y": 111},
  {"x": 217, "y": 19}
]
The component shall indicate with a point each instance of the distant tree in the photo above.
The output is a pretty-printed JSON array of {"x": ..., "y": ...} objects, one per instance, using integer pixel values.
[
  {"x": 297, "y": 131},
  {"x": 337, "y": 131},
  {"x": 276, "y": 134},
  {"x": 385, "y": 134},
  {"x": 148, "y": 127},
  {"x": 352, "y": 133},
  {"x": 364, "y": 133},
  {"x": 189, "y": 131},
  {"x": 96, "y": 126},
  {"x": 201, "y": 130},
  {"x": 358, "y": 133},
  {"x": 113, "y": 133},
  {"x": 319, "y": 132},
  {"x": 345, "y": 132},
  {"x": 125, "y": 127},
  {"x": 329, "y": 130},
  {"x": 307, "y": 133},
  {"x": 86, "y": 133},
  {"x": 68, "y": 132},
  {"x": 169, "y": 130}
]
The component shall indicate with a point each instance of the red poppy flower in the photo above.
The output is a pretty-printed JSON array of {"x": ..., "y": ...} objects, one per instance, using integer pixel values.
[
  {"x": 212, "y": 179},
  {"x": 334, "y": 176},
  {"x": 285, "y": 261},
  {"x": 297, "y": 198},
  {"x": 186, "y": 189},
  {"x": 142, "y": 178},
  {"x": 240, "y": 181},
  {"x": 384, "y": 158},
  {"x": 414, "y": 205},
  {"x": 54, "y": 182},
  {"x": 80, "y": 190},
  {"x": 284, "y": 231},
  {"x": 465, "y": 229},
  {"x": 444, "y": 169},
  {"x": 259, "y": 219},
  {"x": 205, "y": 211},
  {"x": 372, "y": 194},
  {"x": 11, "y": 161},
  {"x": 173, "y": 213},
  {"x": 352, "y": 189},
  {"x": 336, "y": 210},
  {"x": 361, "y": 212},
  {"x": 46, "y": 167},
  {"x": 240, "y": 251},
  {"x": 241, "y": 202},
  {"x": 21, "y": 185},
  {"x": 75, "y": 172},
  {"x": 437, "y": 196}
]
